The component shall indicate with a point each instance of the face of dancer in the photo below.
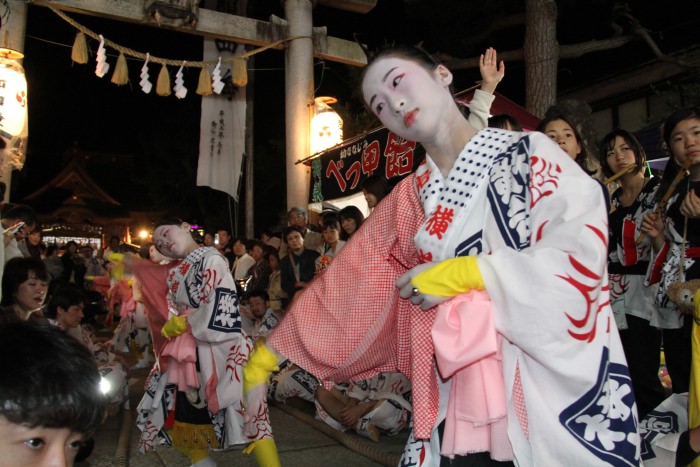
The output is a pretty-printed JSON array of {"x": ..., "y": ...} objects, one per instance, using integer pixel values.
[
  {"x": 561, "y": 133},
  {"x": 38, "y": 446},
  {"x": 407, "y": 98},
  {"x": 174, "y": 241},
  {"x": 620, "y": 155},
  {"x": 31, "y": 293},
  {"x": 71, "y": 317},
  {"x": 685, "y": 141}
]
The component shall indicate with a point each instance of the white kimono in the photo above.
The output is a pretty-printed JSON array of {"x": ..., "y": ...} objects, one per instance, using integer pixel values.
[
  {"x": 202, "y": 287},
  {"x": 538, "y": 227}
]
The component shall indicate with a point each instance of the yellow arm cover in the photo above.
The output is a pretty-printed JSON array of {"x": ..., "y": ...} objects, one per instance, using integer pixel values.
[
  {"x": 174, "y": 326},
  {"x": 115, "y": 257},
  {"x": 260, "y": 364},
  {"x": 450, "y": 277}
]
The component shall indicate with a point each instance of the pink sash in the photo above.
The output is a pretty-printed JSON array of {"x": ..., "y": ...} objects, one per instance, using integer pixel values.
[{"x": 467, "y": 348}]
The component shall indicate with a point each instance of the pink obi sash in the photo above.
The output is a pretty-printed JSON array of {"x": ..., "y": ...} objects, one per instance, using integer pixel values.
[
  {"x": 181, "y": 355},
  {"x": 468, "y": 349}
]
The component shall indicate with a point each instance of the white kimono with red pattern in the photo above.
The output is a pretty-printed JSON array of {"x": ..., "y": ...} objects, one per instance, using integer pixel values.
[
  {"x": 538, "y": 226},
  {"x": 202, "y": 287}
]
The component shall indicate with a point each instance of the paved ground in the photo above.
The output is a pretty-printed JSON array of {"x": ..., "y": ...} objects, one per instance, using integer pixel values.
[{"x": 301, "y": 441}]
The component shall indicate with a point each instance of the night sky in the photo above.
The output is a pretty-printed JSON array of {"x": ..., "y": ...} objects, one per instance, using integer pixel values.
[{"x": 70, "y": 106}]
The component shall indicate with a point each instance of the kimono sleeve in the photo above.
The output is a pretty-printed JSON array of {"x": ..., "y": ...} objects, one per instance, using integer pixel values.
[
  {"x": 554, "y": 289},
  {"x": 217, "y": 318}
]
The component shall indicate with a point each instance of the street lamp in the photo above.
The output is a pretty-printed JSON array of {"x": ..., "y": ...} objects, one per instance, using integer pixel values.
[
  {"x": 13, "y": 108},
  {"x": 326, "y": 125}
]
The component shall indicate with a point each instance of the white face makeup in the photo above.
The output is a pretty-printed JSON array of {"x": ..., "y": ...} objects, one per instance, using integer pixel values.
[
  {"x": 409, "y": 99},
  {"x": 685, "y": 141},
  {"x": 174, "y": 241},
  {"x": 561, "y": 133}
]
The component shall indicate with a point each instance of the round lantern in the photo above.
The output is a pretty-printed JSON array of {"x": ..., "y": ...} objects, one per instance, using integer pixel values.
[
  {"x": 326, "y": 125},
  {"x": 13, "y": 108}
]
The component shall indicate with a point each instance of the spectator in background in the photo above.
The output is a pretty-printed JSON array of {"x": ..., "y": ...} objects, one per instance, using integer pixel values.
[
  {"x": 31, "y": 245},
  {"x": 208, "y": 240},
  {"x": 299, "y": 217},
  {"x": 243, "y": 261},
  {"x": 54, "y": 265},
  {"x": 505, "y": 121},
  {"x": 50, "y": 402},
  {"x": 260, "y": 271},
  {"x": 18, "y": 220},
  {"x": 375, "y": 189},
  {"x": 563, "y": 131},
  {"x": 277, "y": 295},
  {"x": 351, "y": 218},
  {"x": 271, "y": 239},
  {"x": 24, "y": 286},
  {"x": 73, "y": 265},
  {"x": 225, "y": 245},
  {"x": 332, "y": 245},
  {"x": 298, "y": 266}
]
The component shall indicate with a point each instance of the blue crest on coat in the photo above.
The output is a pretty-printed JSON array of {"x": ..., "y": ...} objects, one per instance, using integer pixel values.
[
  {"x": 225, "y": 317},
  {"x": 604, "y": 420}
]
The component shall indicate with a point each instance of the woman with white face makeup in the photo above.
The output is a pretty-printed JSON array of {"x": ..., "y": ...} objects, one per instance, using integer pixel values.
[
  {"x": 206, "y": 349},
  {"x": 497, "y": 229}
]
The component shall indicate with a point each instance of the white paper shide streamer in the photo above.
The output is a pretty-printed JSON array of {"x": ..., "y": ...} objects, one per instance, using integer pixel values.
[
  {"x": 102, "y": 66},
  {"x": 146, "y": 85},
  {"x": 179, "y": 88},
  {"x": 216, "y": 84}
]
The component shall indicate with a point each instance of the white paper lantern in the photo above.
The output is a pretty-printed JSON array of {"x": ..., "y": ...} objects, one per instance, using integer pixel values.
[
  {"x": 13, "y": 110},
  {"x": 326, "y": 125}
]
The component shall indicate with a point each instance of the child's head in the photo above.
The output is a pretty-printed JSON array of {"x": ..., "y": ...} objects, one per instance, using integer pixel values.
[
  {"x": 374, "y": 188},
  {"x": 50, "y": 399},
  {"x": 614, "y": 144}
]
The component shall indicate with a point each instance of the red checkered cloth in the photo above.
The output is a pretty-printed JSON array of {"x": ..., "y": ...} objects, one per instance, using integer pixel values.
[{"x": 350, "y": 322}]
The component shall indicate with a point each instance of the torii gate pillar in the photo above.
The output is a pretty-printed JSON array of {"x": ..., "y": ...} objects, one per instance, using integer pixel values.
[{"x": 299, "y": 84}]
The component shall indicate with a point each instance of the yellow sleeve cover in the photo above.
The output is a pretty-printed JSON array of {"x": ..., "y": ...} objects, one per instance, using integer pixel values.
[
  {"x": 260, "y": 364},
  {"x": 450, "y": 277},
  {"x": 174, "y": 326}
]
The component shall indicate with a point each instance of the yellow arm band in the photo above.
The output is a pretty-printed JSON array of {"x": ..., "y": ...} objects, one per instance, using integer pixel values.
[
  {"x": 260, "y": 364},
  {"x": 115, "y": 257},
  {"x": 450, "y": 277},
  {"x": 174, "y": 326}
]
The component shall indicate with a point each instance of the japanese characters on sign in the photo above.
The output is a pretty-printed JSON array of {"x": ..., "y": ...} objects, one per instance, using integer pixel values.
[{"x": 339, "y": 172}]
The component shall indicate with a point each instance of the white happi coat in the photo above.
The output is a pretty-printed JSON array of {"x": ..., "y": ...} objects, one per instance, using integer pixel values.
[
  {"x": 202, "y": 287},
  {"x": 538, "y": 227}
]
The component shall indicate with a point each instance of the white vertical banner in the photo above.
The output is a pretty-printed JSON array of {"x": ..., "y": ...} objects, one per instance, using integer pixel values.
[{"x": 222, "y": 132}]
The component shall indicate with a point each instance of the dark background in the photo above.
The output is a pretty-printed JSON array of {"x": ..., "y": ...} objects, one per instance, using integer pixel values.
[{"x": 144, "y": 147}]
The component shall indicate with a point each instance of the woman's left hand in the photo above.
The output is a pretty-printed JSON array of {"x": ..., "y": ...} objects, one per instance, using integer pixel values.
[
  {"x": 691, "y": 205},
  {"x": 407, "y": 290}
]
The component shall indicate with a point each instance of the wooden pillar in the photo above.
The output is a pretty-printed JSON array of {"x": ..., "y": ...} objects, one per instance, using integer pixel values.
[{"x": 298, "y": 98}]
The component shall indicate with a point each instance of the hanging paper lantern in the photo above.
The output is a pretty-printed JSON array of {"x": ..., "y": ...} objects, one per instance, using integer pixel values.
[
  {"x": 326, "y": 125},
  {"x": 13, "y": 110}
]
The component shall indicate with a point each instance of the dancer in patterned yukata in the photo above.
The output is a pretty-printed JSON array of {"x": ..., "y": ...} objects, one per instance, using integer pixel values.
[
  {"x": 207, "y": 348},
  {"x": 497, "y": 229}
]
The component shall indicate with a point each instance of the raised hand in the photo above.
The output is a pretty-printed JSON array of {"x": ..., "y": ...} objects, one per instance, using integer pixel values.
[{"x": 491, "y": 71}]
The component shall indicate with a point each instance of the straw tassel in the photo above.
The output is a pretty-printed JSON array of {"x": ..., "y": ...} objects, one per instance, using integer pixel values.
[
  {"x": 204, "y": 85},
  {"x": 79, "y": 53},
  {"x": 121, "y": 71},
  {"x": 163, "y": 84},
  {"x": 239, "y": 72}
]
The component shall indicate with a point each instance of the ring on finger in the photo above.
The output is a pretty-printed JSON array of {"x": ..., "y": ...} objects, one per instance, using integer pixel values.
[{"x": 415, "y": 292}]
